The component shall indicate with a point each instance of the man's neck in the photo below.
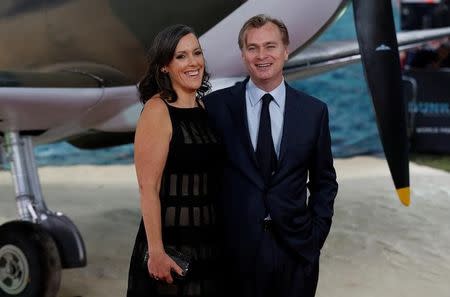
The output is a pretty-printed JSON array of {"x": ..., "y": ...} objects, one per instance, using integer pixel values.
[{"x": 268, "y": 86}]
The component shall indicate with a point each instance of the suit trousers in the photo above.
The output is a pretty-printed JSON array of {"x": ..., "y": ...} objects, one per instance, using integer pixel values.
[{"x": 279, "y": 272}]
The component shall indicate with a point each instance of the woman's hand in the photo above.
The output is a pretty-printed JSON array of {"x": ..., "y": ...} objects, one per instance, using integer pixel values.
[{"x": 160, "y": 266}]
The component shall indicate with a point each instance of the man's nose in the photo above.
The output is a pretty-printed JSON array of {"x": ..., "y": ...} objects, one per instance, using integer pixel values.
[{"x": 261, "y": 54}]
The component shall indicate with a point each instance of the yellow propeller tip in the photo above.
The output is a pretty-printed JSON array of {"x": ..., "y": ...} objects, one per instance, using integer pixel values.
[{"x": 404, "y": 194}]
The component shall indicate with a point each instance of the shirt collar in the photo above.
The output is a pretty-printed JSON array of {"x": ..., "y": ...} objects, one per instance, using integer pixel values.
[{"x": 278, "y": 94}]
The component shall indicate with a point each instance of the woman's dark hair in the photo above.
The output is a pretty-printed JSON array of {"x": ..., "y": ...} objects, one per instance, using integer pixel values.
[{"x": 160, "y": 55}]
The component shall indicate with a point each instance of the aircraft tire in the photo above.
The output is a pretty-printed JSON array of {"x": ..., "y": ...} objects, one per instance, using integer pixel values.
[{"x": 30, "y": 265}]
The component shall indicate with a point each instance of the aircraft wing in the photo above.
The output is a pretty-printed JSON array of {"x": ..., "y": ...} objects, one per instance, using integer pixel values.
[
  {"x": 321, "y": 57},
  {"x": 55, "y": 105},
  {"x": 86, "y": 106}
]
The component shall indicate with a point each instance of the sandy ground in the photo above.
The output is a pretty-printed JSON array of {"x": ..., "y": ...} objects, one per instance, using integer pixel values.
[{"x": 376, "y": 246}]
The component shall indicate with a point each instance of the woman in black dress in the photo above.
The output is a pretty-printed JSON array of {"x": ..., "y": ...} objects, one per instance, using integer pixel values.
[{"x": 177, "y": 159}]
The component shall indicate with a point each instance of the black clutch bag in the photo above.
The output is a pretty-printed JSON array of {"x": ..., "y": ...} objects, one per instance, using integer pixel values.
[{"x": 182, "y": 259}]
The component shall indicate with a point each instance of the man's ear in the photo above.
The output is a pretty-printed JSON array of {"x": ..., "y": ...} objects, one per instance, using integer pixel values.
[{"x": 286, "y": 53}]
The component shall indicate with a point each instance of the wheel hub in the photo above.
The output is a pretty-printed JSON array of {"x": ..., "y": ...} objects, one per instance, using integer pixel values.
[{"x": 14, "y": 270}]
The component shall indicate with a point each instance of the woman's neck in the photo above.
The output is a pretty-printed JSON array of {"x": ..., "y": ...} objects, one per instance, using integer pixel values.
[{"x": 186, "y": 100}]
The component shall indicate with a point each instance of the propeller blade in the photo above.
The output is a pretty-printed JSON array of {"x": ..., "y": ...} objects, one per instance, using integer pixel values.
[{"x": 379, "y": 54}]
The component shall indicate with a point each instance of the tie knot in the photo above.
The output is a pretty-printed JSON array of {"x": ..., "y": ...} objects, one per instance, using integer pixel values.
[{"x": 266, "y": 99}]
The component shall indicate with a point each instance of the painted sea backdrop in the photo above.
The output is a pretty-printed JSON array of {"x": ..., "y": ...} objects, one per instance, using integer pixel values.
[{"x": 352, "y": 119}]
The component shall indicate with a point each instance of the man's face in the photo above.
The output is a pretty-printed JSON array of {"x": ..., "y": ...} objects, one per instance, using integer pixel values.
[{"x": 264, "y": 55}]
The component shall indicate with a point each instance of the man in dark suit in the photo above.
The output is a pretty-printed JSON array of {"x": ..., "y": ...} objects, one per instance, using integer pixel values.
[{"x": 277, "y": 142}]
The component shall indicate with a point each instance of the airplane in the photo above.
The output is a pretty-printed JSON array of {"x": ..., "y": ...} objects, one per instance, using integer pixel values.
[{"x": 69, "y": 69}]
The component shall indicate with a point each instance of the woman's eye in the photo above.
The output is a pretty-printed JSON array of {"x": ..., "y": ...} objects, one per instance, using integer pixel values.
[{"x": 179, "y": 57}]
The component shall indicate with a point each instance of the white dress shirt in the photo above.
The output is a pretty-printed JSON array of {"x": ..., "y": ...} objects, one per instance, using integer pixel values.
[{"x": 253, "y": 101}]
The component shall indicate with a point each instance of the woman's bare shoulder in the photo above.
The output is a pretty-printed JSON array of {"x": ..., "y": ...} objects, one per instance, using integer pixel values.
[
  {"x": 155, "y": 108},
  {"x": 155, "y": 104},
  {"x": 155, "y": 112}
]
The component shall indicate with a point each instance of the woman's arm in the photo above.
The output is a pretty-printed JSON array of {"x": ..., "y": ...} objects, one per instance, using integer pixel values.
[{"x": 151, "y": 146}]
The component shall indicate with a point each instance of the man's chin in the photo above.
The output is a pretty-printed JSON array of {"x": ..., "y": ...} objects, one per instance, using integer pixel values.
[{"x": 262, "y": 77}]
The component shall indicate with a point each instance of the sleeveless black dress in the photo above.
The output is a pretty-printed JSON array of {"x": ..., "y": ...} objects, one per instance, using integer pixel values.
[{"x": 189, "y": 186}]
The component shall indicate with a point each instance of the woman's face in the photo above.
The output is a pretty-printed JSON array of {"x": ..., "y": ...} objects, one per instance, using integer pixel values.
[{"x": 187, "y": 65}]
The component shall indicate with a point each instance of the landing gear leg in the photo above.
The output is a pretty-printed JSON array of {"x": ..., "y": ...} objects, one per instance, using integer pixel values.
[{"x": 35, "y": 248}]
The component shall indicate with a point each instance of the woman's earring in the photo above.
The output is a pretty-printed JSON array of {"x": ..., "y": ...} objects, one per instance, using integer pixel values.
[{"x": 164, "y": 70}]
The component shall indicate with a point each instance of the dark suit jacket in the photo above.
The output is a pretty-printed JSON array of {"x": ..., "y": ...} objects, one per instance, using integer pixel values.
[{"x": 302, "y": 224}]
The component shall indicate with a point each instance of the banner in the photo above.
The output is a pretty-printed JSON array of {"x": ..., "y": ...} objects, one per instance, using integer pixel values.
[{"x": 428, "y": 95}]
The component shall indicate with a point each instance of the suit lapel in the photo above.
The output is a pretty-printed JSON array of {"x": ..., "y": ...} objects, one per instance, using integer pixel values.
[
  {"x": 290, "y": 123},
  {"x": 238, "y": 111}
]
